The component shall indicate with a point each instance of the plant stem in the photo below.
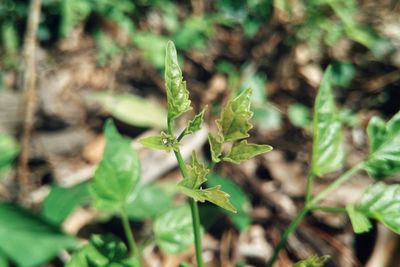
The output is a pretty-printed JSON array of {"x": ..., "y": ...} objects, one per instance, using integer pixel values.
[
  {"x": 193, "y": 205},
  {"x": 310, "y": 181},
  {"x": 289, "y": 230},
  {"x": 129, "y": 235},
  {"x": 329, "y": 209}
]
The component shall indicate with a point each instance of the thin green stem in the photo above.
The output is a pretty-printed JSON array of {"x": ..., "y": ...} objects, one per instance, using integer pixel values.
[
  {"x": 329, "y": 209},
  {"x": 310, "y": 181},
  {"x": 181, "y": 135},
  {"x": 193, "y": 205},
  {"x": 343, "y": 178},
  {"x": 289, "y": 230},
  {"x": 129, "y": 234}
]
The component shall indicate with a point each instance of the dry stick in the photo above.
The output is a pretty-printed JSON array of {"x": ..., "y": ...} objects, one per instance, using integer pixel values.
[{"x": 29, "y": 84}]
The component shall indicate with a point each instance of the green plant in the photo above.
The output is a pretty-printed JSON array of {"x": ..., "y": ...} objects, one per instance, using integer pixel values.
[
  {"x": 380, "y": 202},
  {"x": 233, "y": 126}
]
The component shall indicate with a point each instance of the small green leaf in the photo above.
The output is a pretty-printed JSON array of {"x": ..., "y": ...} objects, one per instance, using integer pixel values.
[
  {"x": 382, "y": 202},
  {"x": 213, "y": 195},
  {"x": 215, "y": 142},
  {"x": 151, "y": 200},
  {"x": 244, "y": 151},
  {"x": 195, "y": 123},
  {"x": 118, "y": 172},
  {"x": 328, "y": 151},
  {"x": 359, "y": 221},
  {"x": 313, "y": 261},
  {"x": 299, "y": 115},
  {"x": 163, "y": 142},
  {"x": 102, "y": 251},
  {"x": 384, "y": 147},
  {"x": 61, "y": 201},
  {"x": 177, "y": 94},
  {"x": 28, "y": 240},
  {"x": 197, "y": 174},
  {"x": 173, "y": 230},
  {"x": 234, "y": 122}
]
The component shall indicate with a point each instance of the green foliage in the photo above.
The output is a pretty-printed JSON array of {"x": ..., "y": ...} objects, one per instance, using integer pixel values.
[
  {"x": 216, "y": 142},
  {"x": 194, "y": 124},
  {"x": 173, "y": 230},
  {"x": 384, "y": 147},
  {"x": 381, "y": 202},
  {"x": 313, "y": 261},
  {"x": 72, "y": 12},
  {"x": 244, "y": 151},
  {"x": 327, "y": 146},
  {"x": 241, "y": 219},
  {"x": 358, "y": 220},
  {"x": 62, "y": 201},
  {"x": 163, "y": 142},
  {"x": 151, "y": 201},
  {"x": 102, "y": 251},
  {"x": 132, "y": 109},
  {"x": 9, "y": 149},
  {"x": 106, "y": 47},
  {"x": 152, "y": 46},
  {"x": 299, "y": 115},
  {"x": 27, "y": 240},
  {"x": 194, "y": 32},
  {"x": 118, "y": 172},
  {"x": 342, "y": 73}
]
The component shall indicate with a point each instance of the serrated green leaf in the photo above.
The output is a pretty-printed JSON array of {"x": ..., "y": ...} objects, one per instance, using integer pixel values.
[
  {"x": 118, "y": 172},
  {"x": 382, "y": 202},
  {"x": 384, "y": 147},
  {"x": 213, "y": 195},
  {"x": 244, "y": 151},
  {"x": 195, "y": 124},
  {"x": 234, "y": 122},
  {"x": 177, "y": 94},
  {"x": 28, "y": 240},
  {"x": 359, "y": 221},
  {"x": 215, "y": 142},
  {"x": 313, "y": 261},
  {"x": 197, "y": 174},
  {"x": 102, "y": 251},
  {"x": 163, "y": 142},
  {"x": 328, "y": 151},
  {"x": 173, "y": 230}
]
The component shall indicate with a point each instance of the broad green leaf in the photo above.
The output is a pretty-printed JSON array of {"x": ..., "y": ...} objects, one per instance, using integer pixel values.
[
  {"x": 61, "y": 201},
  {"x": 27, "y": 240},
  {"x": 102, "y": 251},
  {"x": 215, "y": 142},
  {"x": 328, "y": 151},
  {"x": 151, "y": 200},
  {"x": 234, "y": 122},
  {"x": 177, "y": 94},
  {"x": 132, "y": 109},
  {"x": 359, "y": 221},
  {"x": 8, "y": 151},
  {"x": 384, "y": 147},
  {"x": 313, "y": 261},
  {"x": 163, "y": 142},
  {"x": 195, "y": 124},
  {"x": 244, "y": 151},
  {"x": 241, "y": 219},
  {"x": 3, "y": 260},
  {"x": 382, "y": 202},
  {"x": 197, "y": 174},
  {"x": 213, "y": 195},
  {"x": 173, "y": 230},
  {"x": 118, "y": 172}
]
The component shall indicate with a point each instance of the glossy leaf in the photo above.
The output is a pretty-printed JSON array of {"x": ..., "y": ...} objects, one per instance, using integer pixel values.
[
  {"x": 27, "y": 240},
  {"x": 195, "y": 124},
  {"x": 313, "y": 261},
  {"x": 241, "y": 219},
  {"x": 61, "y": 202},
  {"x": 173, "y": 230},
  {"x": 132, "y": 109},
  {"x": 382, "y": 202},
  {"x": 177, "y": 94},
  {"x": 102, "y": 251},
  {"x": 162, "y": 142},
  {"x": 118, "y": 172},
  {"x": 244, "y": 151},
  {"x": 151, "y": 200},
  {"x": 234, "y": 122},
  {"x": 328, "y": 151},
  {"x": 215, "y": 142},
  {"x": 359, "y": 221},
  {"x": 384, "y": 147}
]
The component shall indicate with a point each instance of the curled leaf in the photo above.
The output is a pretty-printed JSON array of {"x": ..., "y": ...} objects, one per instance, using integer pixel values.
[
  {"x": 244, "y": 151},
  {"x": 215, "y": 142},
  {"x": 197, "y": 174}
]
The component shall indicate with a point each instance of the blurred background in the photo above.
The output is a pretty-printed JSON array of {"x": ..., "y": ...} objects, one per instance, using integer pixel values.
[{"x": 93, "y": 59}]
